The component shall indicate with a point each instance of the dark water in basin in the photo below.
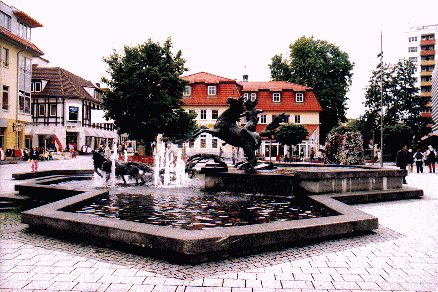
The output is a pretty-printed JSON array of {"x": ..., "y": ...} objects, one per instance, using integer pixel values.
[{"x": 200, "y": 210}]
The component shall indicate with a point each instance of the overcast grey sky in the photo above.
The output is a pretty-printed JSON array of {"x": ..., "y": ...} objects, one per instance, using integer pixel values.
[{"x": 222, "y": 37}]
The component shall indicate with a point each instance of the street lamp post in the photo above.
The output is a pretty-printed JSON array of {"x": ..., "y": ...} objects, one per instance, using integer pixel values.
[{"x": 381, "y": 97}]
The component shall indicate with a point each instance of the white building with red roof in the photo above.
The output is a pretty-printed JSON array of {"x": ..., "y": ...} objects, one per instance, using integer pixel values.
[{"x": 207, "y": 94}]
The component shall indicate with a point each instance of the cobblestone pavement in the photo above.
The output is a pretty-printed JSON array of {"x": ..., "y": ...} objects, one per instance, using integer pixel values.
[{"x": 402, "y": 255}]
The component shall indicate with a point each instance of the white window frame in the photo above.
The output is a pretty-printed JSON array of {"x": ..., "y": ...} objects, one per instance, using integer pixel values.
[
  {"x": 5, "y": 57},
  {"x": 299, "y": 97},
  {"x": 212, "y": 90},
  {"x": 253, "y": 96},
  {"x": 276, "y": 97},
  {"x": 217, "y": 114},
  {"x": 41, "y": 109},
  {"x": 203, "y": 114},
  {"x": 245, "y": 96},
  {"x": 263, "y": 119},
  {"x": 36, "y": 86},
  {"x": 187, "y": 91},
  {"x": 297, "y": 119},
  {"x": 51, "y": 107}
]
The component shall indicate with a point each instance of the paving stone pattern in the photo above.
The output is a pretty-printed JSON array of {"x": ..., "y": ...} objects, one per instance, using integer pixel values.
[{"x": 402, "y": 255}]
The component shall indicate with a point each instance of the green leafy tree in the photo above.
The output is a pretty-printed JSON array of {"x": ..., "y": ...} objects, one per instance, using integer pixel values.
[
  {"x": 323, "y": 66},
  {"x": 395, "y": 137},
  {"x": 145, "y": 92},
  {"x": 291, "y": 135},
  {"x": 401, "y": 101}
]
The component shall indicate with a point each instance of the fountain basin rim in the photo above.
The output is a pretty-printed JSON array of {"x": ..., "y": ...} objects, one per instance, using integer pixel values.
[{"x": 198, "y": 241}]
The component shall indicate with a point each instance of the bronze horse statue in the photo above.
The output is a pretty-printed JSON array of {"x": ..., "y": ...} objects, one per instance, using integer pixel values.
[
  {"x": 226, "y": 128},
  {"x": 131, "y": 169}
]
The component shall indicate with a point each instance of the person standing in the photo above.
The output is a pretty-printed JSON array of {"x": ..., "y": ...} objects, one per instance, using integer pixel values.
[
  {"x": 410, "y": 161},
  {"x": 34, "y": 156},
  {"x": 402, "y": 160},
  {"x": 431, "y": 157},
  {"x": 418, "y": 158}
]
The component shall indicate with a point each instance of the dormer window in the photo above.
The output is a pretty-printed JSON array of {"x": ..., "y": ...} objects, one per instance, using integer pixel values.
[
  {"x": 212, "y": 90},
  {"x": 36, "y": 86},
  {"x": 187, "y": 91},
  {"x": 253, "y": 96},
  {"x": 276, "y": 97},
  {"x": 5, "y": 20},
  {"x": 23, "y": 31},
  {"x": 299, "y": 97}
]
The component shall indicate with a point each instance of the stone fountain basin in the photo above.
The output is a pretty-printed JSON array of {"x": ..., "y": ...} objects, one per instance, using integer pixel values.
[{"x": 187, "y": 243}]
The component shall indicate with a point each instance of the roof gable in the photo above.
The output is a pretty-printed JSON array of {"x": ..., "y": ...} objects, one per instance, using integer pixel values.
[
  {"x": 204, "y": 77},
  {"x": 62, "y": 83}
]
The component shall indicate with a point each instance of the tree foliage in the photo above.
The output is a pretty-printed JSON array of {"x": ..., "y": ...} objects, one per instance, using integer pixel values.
[
  {"x": 290, "y": 134},
  {"x": 323, "y": 66},
  {"x": 401, "y": 102},
  {"x": 145, "y": 92}
]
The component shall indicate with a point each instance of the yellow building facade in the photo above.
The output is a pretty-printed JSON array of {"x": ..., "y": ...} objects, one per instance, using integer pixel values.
[{"x": 17, "y": 52}]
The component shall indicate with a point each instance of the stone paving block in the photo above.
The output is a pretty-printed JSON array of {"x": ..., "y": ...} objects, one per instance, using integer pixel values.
[
  {"x": 297, "y": 284},
  {"x": 118, "y": 288},
  {"x": 246, "y": 276},
  {"x": 322, "y": 277},
  {"x": 154, "y": 280},
  {"x": 38, "y": 285},
  {"x": 65, "y": 277},
  {"x": 271, "y": 283},
  {"x": 235, "y": 283},
  {"x": 62, "y": 285},
  {"x": 352, "y": 278},
  {"x": 368, "y": 285},
  {"x": 14, "y": 284},
  {"x": 413, "y": 286},
  {"x": 207, "y": 289},
  {"x": 322, "y": 284},
  {"x": 86, "y": 286},
  {"x": 213, "y": 282},
  {"x": 253, "y": 283},
  {"x": 303, "y": 277},
  {"x": 284, "y": 276},
  {"x": 346, "y": 285},
  {"x": 241, "y": 289}
]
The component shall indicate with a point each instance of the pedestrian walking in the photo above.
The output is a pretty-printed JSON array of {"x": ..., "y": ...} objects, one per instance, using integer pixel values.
[
  {"x": 430, "y": 158},
  {"x": 410, "y": 161},
  {"x": 418, "y": 158},
  {"x": 34, "y": 156},
  {"x": 402, "y": 160}
]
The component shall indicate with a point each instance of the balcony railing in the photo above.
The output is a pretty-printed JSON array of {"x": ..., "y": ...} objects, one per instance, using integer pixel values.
[
  {"x": 425, "y": 83},
  {"x": 427, "y": 52},
  {"x": 428, "y": 62},
  {"x": 426, "y": 73},
  {"x": 427, "y": 42}
]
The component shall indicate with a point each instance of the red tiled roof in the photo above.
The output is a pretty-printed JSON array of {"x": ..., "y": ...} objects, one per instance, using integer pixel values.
[
  {"x": 204, "y": 77},
  {"x": 272, "y": 86},
  {"x": 4, "y": 33},
  {"x": 62, "y": 83}
]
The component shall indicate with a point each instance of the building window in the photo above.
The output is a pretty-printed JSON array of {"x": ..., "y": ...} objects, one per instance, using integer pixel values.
[
  {"x": 5, "y": 57},
  {"x": 23, "y": 31},
  {"x": 5, "y": 101},
  {"x": 73, "y": 113},
  {"x": 245, "y": 96},
  {"x": 263, "y": 119},
  {"x": 214, "y": 143},
  {"x": 212, "y": 90},
  {"x": 297, "y": 119},
  {"x": 203, "y": 115},
  {"x": 214, "y": 114},
  {"x": 187, "y": 91},
  {"x": 53, "y": 110},
  {"x": 276, "y": 97},
  {"x": 412, "y": 49},
  {"x": 253, "y": 96},
  {"x": 41, "y": 110},
  {"x": 36, "y": 87},
  {"x": 191, "y": 144},
  {"x": 412, "y": 39},
  {"x": 5, "y": 20},
  {"x": 24, "y": 102},
  {"x": 413, "y": 59},
  {"x": 203, "y": 141},
  {"x": 299, "y": 97}
]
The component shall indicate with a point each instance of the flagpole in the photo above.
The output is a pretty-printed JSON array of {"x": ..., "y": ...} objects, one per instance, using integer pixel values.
[{"x": 381, "y": 100}]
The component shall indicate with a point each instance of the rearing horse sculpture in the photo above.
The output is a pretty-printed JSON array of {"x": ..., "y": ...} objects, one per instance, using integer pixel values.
[{"x": 226, "y": 129}]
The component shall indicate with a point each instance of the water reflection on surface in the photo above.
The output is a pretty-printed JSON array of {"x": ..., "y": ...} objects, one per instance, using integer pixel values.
[{"x": 195, "y": 210}]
